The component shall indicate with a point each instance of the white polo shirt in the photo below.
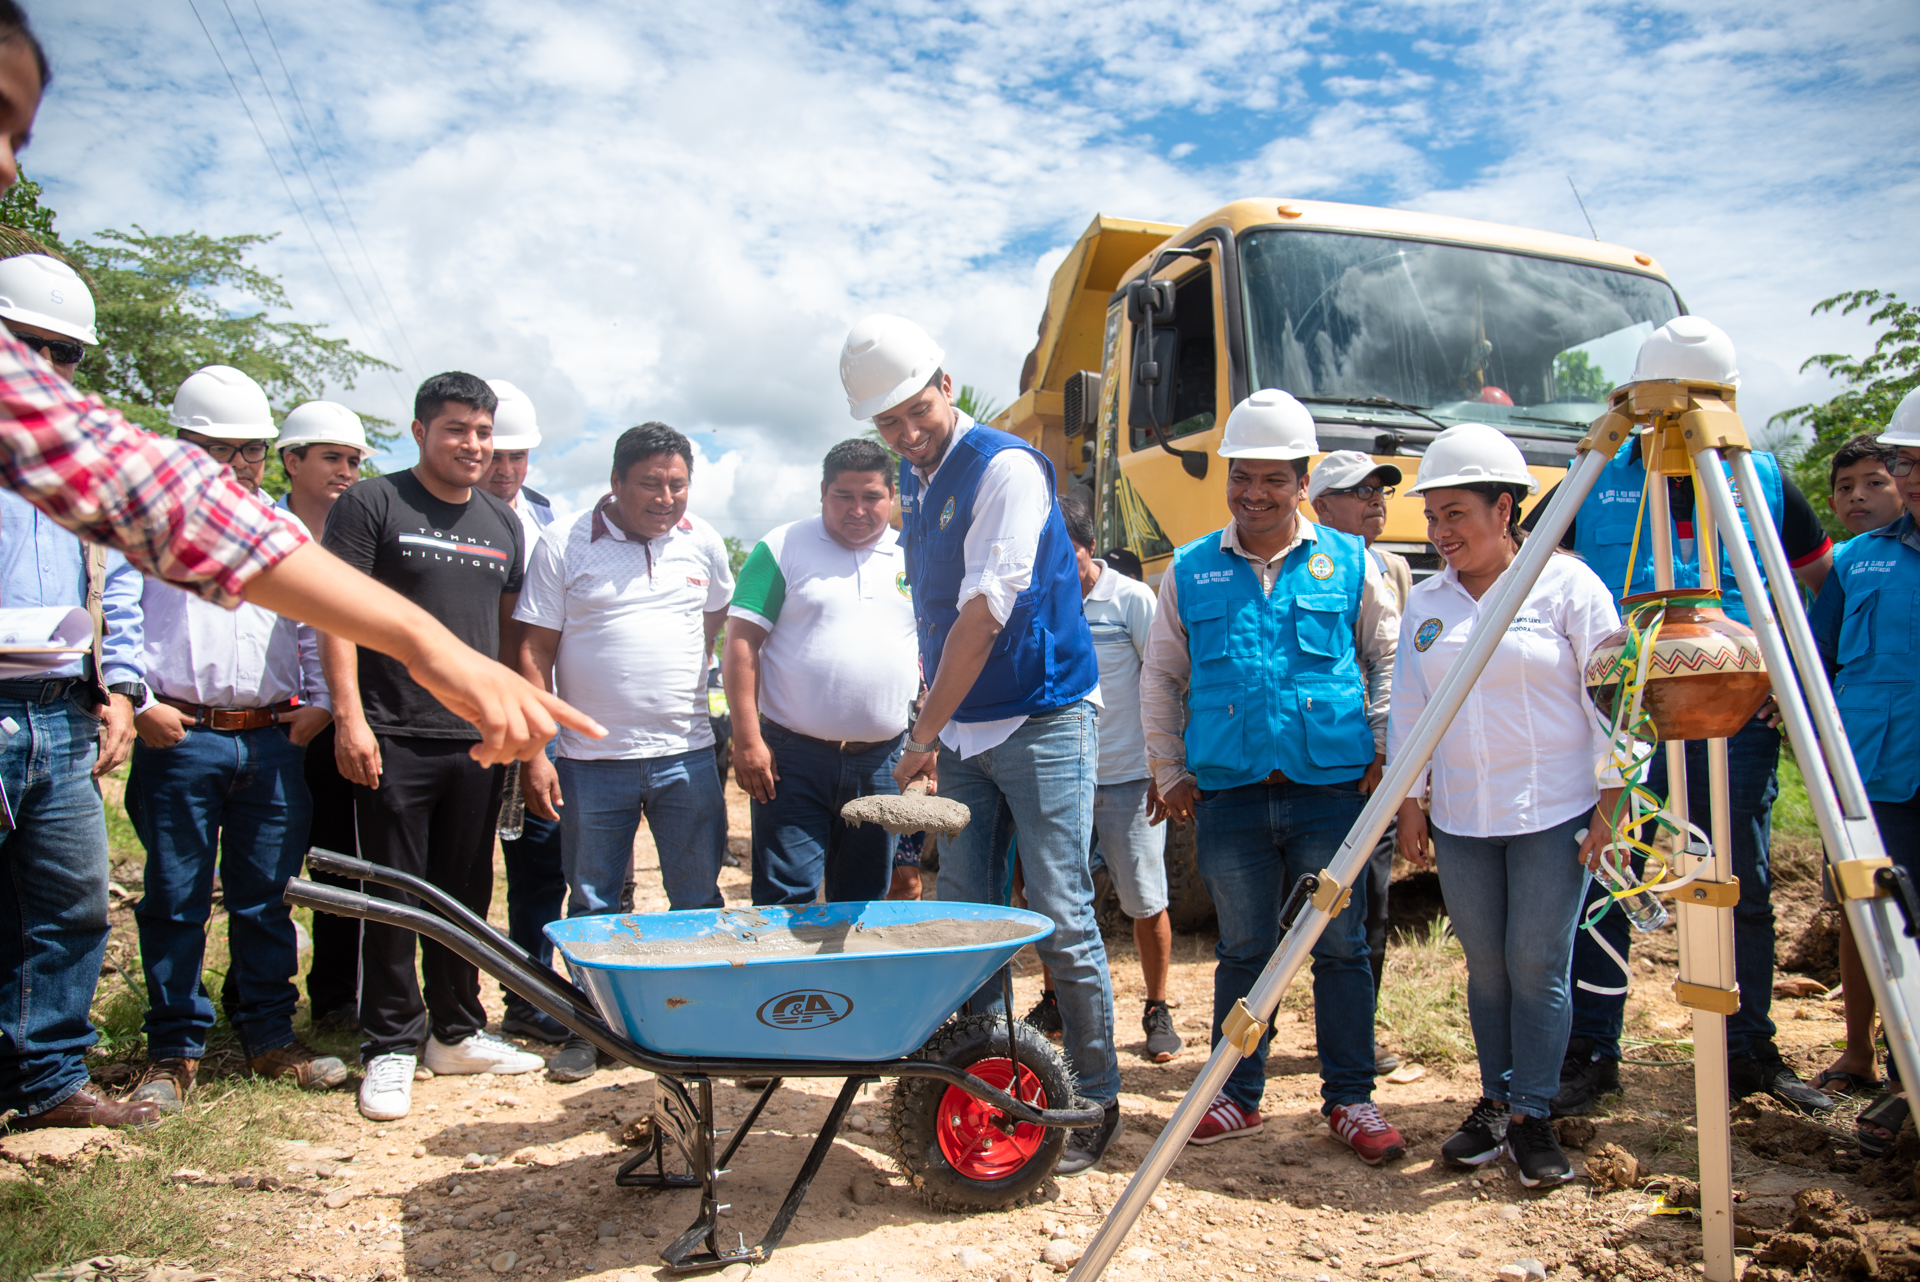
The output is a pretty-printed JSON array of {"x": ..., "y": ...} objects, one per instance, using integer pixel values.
[
  {"x": 1120, "y": 616},
  {"x": 841, "y": 660},
  {"x": 630, "y": 615}
]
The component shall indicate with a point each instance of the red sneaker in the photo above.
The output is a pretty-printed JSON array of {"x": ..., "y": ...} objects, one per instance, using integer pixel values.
[
  {"x": 1361, "y": 1128},
  {"x": 1226, "y": 1120}
]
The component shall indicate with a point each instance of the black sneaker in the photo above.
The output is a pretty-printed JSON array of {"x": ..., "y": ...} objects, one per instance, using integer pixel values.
[
  {"x": 574, "y": 1063},
  {"x": 525, "y": 1020},
  {"x": 1086, "y": 1145},
  {"x": 1584, "y": 1078},
  {"x": 1162, "y": 1042},
  {"x": 344, "y": 1018},
  {"x": 1045, "y": 1014},
  {"x": 1763, "y": 1071},
  {"x": 1480, "y": 1138},
  {"x": 1535, "y": 1149}
]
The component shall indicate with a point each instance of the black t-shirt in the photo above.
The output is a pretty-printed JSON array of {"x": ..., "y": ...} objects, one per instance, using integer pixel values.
[
  {"x": 1800, "y": 530},
  {"x": 453, "y": 560}
]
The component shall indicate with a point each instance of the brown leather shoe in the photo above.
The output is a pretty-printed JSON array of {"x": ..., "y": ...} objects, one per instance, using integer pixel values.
[
  {"x": 84, "y": 1108},
  {"x": 310, "y": 1070},
  {"x": 165, "y": 1082}
]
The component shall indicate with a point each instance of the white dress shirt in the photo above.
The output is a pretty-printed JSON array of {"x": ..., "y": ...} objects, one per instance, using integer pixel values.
[
  {"x": 1527, "y": 750},
  {"x": 248, "y": 657},
  {"x": 1010, "y": 510}
]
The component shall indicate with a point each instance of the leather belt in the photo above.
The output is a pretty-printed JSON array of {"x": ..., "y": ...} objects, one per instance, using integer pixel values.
[
  {"x": 208, "y": 718},
  {"x": 1277, "y": 778},
  {"x": 50, "y": 690},
  {"x": 847, "y": 747}
]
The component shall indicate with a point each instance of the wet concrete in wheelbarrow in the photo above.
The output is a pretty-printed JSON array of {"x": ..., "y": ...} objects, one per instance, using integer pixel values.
[{"x": 742, "y": 943}]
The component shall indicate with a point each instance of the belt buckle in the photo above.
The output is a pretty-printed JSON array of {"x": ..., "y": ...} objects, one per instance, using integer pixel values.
[{"x": 226, "y": 718}]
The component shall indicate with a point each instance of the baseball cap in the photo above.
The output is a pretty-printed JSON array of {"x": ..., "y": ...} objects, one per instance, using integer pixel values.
[{"x": 1344, "y": 469}]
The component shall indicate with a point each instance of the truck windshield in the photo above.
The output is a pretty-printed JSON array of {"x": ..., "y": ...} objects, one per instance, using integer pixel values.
[{"x": 1461, "y": 334}]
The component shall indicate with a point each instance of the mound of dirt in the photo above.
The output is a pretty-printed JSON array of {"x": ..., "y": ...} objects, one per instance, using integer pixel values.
[
  {"x": 1780, "y": 1136},
  {"x": 1815, "y": 950},
  {"x": 1833, "y": 1241}
]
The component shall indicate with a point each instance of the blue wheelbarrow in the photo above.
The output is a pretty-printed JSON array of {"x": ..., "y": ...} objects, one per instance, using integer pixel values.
[{"x": 847, "y": 990}]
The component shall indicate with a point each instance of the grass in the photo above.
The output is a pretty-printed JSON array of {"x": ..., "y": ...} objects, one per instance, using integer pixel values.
[{"x": 1423, "y": 1001}]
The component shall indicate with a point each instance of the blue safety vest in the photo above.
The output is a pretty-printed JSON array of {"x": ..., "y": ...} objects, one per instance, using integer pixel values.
[
  {"x": 1275, "y": 682},
  {"x": 1603, "y": 529},
  {"x": 1044, "y": 655},
  {"x": 1878, "y": 649}
]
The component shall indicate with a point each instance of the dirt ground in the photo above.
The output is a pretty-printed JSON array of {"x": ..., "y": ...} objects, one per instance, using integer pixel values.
[{"x": 515, "y": 1175}]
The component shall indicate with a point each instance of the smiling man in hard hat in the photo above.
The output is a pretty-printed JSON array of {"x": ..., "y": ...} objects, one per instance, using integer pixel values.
[
  {"x": 321, "y": 447},
  {"x": 1007, "y": 727},
  {"x": 1264, "y": 700},
  {"x": 1692, "y": 349},
  {"x": 218, "y": 784}
]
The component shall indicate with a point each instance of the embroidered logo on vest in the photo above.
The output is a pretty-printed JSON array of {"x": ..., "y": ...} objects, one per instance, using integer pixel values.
[
  {"x": 946, "y": 513},
  {"x": 1429, "y": 633},
  {"x": 1320, "y": 565}
]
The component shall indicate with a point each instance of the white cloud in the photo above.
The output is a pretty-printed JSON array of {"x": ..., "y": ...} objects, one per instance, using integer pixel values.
[{"x": 674, "y": 212}]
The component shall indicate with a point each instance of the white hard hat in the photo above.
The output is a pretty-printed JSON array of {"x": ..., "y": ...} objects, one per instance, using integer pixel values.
[
  {"x": 322, "y": 423},
  {"x": 1269, "y": 424},
  {"x": 1688, "y": 348},
  {"x": 1344, "y": 469},
  {"x": 1904, "y": 427},
  {"x": 47, "y": 294},
  {"x": 886, "y": 360},
  {"x": 514, "y": 425},
  {"x": 1472, "y": 454},
  {"x": 221, "y": 401}
]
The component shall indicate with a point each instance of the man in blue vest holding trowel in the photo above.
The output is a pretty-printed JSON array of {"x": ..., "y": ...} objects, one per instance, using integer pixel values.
[
  {"x": 1007, "y": 724},
  {"x": 1692, "y": 349}
]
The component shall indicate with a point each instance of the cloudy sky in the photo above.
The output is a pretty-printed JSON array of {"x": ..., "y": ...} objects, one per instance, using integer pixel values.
[{"x": 648, "y": 210}]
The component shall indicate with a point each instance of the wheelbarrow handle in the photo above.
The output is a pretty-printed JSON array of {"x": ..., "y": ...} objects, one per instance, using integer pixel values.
[{"x": 320, "y": 859}]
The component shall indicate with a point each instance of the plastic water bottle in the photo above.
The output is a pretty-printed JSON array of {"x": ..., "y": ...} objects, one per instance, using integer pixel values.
[
  {"x": 1644, "y": 910},
  {"x": 513, "y": 806}
]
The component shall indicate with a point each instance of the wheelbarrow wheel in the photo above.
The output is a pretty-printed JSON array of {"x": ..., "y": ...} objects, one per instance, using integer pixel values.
[{"x": 946, "y": 1139}]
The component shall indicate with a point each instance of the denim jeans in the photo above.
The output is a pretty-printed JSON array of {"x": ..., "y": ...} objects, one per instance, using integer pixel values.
[
  {"x": 1379, "y": 878},
  {"x": 1133, "y": 851},
  {"x": 536, "y": 888},
  {"x": 1254, "y": 842},
  {"x": 1514, "y": 902},
  {"x": 53, "y": 901},
  {"x": 799, "y": 837},
  {"x": 238, "y": 799},
  {"x": 1753, "y": 755},
  {"x": 685, "y": 811},
  {"x": 1041, "y": 782}
]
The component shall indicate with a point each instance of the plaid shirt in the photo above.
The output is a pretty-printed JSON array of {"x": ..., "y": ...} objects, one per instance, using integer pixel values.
[{"x": 177, "y": 514}]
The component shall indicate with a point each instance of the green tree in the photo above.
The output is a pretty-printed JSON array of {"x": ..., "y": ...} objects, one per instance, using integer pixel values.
[
  {"x": 736, "y": 554},
  {"x": 975, "y": 404},
  {"x": 1577, "y": 378},
  {"x": 1871, "y": 386},
  {"x": 168, "y": 305}
]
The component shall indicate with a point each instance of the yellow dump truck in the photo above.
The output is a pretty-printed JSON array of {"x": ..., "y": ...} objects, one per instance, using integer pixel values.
[{"x": 1389, "y": 325}]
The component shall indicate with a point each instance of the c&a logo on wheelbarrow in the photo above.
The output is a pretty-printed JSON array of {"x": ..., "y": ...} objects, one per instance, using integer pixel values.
[{"x": 805, "y": 1008}]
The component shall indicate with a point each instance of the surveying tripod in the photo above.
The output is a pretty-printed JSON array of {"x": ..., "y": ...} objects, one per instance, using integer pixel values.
[{"x": 1686, "y": 428}]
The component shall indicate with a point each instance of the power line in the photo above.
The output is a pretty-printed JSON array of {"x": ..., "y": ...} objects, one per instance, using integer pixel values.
[
  {"x": 346, "y": 208},
  {"x": 1583, "y": 207},
  {"x": 285, "y": 185}
]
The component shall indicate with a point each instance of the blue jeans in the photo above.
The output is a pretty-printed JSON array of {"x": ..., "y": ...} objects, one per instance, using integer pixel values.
[
  {"x": 1133, "y": 851},
  {"x": 1041, "y": 782},
  {"x": 237, "y": 798},
  {"x": 536, "y": 887},
  {"x": 799, "y": 836},
  {"x": 1514, "y": 902},
  {"x": 685, "y": 811},
  {"x": 1753, "y": 755},
  {"x": 53, "y": 902},
  {"x": 1254, "y": 842}
]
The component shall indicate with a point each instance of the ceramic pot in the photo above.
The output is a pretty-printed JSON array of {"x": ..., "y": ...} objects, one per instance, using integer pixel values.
[{"x": 1707, "y": 678}]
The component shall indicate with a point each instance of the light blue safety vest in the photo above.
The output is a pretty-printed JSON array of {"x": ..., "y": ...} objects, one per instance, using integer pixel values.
[
  {"x": 1275, "y": 682},
  {"x": 1603, "y": 529},
  {"x": 1878, "y": 649}
]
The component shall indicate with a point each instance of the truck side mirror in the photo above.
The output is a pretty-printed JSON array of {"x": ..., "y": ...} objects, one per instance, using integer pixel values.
[
  {"x": 1080, "y": 399},
  {"x": 1145, "y": 296},
  {"x": 1154, "y": 355}
]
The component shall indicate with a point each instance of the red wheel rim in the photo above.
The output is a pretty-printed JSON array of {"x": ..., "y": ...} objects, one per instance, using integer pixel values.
[{"x": 970, "y": 1141}]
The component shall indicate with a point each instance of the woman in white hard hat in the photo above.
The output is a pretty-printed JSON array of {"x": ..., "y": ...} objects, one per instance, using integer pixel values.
[{"x": 1512, "y": 786}]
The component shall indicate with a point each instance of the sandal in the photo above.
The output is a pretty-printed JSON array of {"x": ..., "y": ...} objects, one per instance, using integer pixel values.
[
  {"x": 1849, "y": 1083},
  {"x": 1879, "y": 1123}
]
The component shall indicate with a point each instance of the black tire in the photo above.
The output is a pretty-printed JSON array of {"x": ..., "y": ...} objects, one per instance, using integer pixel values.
[
  {"x": 915, "y": 1122},
  {"x": 1189, "y": 907}
]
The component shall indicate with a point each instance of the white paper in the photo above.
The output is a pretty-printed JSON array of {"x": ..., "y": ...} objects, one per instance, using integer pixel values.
[{"x": 33, "y": 641}]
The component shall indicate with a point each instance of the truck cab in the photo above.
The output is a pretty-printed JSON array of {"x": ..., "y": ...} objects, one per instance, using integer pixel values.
[{"x": 1389, "y": 325}]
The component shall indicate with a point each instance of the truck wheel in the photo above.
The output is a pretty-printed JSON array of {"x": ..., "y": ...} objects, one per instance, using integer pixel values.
[
  {"x": 1188, "y": 906},
  {"x": 946, "y": 1139}
]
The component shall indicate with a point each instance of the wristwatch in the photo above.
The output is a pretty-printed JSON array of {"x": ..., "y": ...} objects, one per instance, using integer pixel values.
[
  {"x": 911, "y": 746},
  {"x": 136, "y": 691}
]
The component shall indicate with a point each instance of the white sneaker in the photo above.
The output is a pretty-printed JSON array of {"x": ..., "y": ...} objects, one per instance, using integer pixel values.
[
  {"x": 386, "y": 1092},
  {"x": 480, "y": 1053}
]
